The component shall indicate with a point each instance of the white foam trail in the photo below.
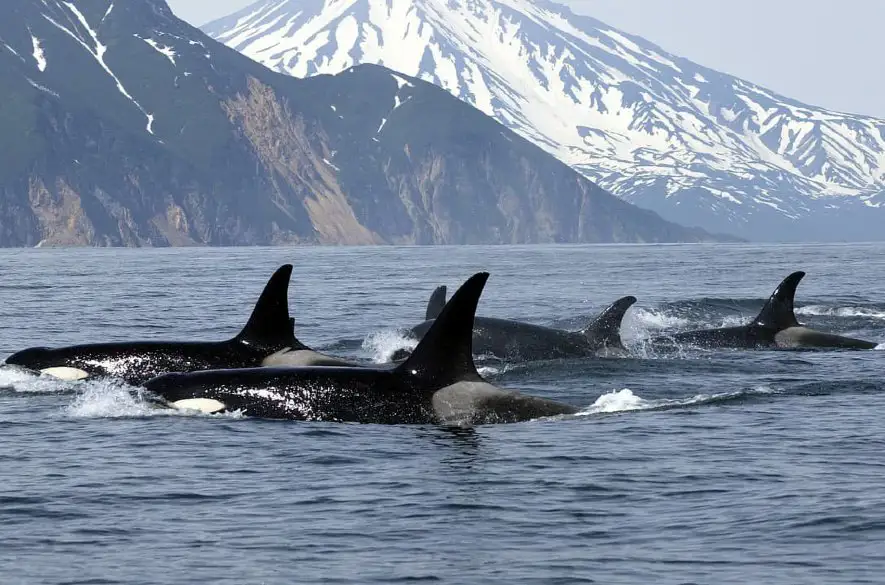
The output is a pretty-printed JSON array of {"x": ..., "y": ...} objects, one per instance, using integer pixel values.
[
  {"x": 625, "y": 400},
  {"x": 824, "y": 311},
  {"x": 488, "y": 371},
  {"x": 110, "y": 399},
  {"x": 617, "y": 401},
  {"x": 18, "y": 380},
  {"x": 11, "y": 377},
  {"x": 880, "y": 347},
  {"x": 382, "y": 344}
]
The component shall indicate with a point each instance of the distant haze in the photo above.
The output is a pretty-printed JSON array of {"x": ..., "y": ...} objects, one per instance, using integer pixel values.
[{"x": 815, "y": 51}]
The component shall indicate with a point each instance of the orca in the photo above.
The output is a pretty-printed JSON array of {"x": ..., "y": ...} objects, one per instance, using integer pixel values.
[
  {"x": 519, "y": 341},
  {"x": 267, "y": 339},
  {"x": 775, "y": 326},
  {"x": 437, "y": 384}
]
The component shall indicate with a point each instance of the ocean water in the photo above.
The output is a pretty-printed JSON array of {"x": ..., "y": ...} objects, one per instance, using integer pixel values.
[{"x": 694, "y": 467}]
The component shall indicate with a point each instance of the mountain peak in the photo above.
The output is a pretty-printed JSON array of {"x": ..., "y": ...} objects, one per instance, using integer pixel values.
[
  {"x": 123, "y": 125},
  {"x": 696, "y": 145}
]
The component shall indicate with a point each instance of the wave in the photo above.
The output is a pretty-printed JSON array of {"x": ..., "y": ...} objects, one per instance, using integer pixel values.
[
  {"x": 109, "y": 398},
  {"x": 644, "y": 320},
  {"x": 112, "y": 399},
  {"x": 625, "y": 400},
  {"x": 25, "y": 382},
  {"x": 642, "y": 323},
  {"x": 824, "y": 311}
]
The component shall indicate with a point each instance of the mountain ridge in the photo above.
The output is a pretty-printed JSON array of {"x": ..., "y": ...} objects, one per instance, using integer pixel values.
[
  {"x": 658, "y": 130},
  {"x": 126, "y": 126}
]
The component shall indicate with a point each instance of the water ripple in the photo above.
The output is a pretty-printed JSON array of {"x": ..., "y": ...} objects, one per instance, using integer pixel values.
[{"x": 695, "y": 467}]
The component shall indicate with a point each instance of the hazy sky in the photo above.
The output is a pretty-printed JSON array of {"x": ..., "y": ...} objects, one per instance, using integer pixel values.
[{"x": 818, "y": 51}]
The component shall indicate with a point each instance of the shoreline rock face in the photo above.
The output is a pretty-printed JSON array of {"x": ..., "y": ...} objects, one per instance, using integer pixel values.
[{"x": 133, "y": 128}]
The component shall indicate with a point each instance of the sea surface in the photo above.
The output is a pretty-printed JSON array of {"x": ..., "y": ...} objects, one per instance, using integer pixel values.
[{"x": 688, "y": 467}]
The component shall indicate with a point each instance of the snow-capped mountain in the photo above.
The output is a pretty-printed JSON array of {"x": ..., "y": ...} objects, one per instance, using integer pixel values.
[
  {"x": 698, "y": 146},
  {"x": 120, "y": 124}
]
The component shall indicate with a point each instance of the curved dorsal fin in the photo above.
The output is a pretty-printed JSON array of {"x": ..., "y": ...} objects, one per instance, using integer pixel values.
[
  {"x": 436, "y": 303},
  {"x": 270, "y": 326},
  {"x": 778, "y": 313},
  {"x": 606, "y": 328},
  {"x": 445, "y": 354}
]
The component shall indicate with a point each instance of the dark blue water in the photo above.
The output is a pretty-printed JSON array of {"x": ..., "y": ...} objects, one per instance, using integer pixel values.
[{"x": 700, "y": 467}]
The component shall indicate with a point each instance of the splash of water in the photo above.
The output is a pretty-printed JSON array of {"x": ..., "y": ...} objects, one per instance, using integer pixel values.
[
  {"x": 109, "y": 398},
  {"x": 617, "y": 401},
  {"x": 642, "y": 320},
  {"x": 625, "y": 400},
  {"x": 25, "y": 382},
  {"x": 382, "y": 344},
  {"x": 641, "y": 324}
]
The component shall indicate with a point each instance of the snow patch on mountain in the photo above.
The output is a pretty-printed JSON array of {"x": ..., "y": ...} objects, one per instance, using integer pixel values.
[
  {"x": 39, "y": 55},
  {"x": 107, "y": 13},
  {"x": 658, "y": 130},
  {"x": 42, "y": 88},
  {"x": 11, "y": 50},
  {"x": 94, "y": 47},
  {"x": 164, "y": 50}
]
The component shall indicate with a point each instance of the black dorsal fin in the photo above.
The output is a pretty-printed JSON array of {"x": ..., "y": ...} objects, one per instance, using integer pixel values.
[
  {"x": 778, "y": 313},
  {"x": 436, "y": 303},
  {"x": 606, "y": 328},
  {"x": 445, "y": 354},
  {"x": 270, "y": 326}
]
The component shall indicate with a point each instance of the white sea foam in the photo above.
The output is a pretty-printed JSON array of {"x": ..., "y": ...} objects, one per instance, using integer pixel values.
[
  {"x": 625, "y": 400},
  {"x": 489, "y": 371},
  {"x": 640, "y": 324},
  {"x": 617, "y": 401},
  {"x": 110, "y": 398},
  {"x": 650, "y": 319},
  {"x": 23, "y": 381}
]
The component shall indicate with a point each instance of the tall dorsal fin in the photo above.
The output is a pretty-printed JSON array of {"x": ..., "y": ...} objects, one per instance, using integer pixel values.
[
  {"x": 606, "y": 328},
  {"x": 778, "y": 313},
  {"x": 270, "y": 326},
  {"x": 436, "y": 303},
  {"x": 445, "y": 354}
]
